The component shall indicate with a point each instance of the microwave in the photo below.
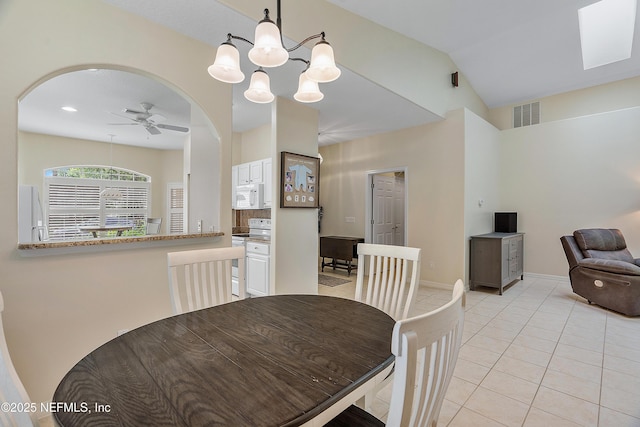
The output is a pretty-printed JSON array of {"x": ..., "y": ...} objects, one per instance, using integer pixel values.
[{"x": 250, "y": 196}]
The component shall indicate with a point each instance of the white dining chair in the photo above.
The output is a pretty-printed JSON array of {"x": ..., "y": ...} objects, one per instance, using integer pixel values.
[
  {"x": 203, "y": 278},
  {"x": 426, "y": 349},
  {"x": 12, "y": 391},
  {"x": 393, "y": 276}
]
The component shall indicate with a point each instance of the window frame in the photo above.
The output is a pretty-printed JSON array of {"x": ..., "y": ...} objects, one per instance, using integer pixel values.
[{"x": 87, "y": 207}]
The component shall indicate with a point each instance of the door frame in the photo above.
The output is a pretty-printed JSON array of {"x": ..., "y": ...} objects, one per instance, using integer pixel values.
[{"x": 368, "y": 229}]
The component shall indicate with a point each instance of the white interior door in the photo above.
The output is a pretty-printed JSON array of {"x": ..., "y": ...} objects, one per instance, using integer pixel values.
[
  {"x": 383, "y": 209},
  {"x": 398, "y": 210},
  {"x": 386, "y": 210}
]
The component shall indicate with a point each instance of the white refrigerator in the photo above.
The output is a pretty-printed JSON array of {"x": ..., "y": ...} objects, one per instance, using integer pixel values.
[{"x": 31, "y": 226}]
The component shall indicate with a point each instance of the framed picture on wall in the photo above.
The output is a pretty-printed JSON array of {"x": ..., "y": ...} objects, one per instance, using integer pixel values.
[{"x": 299, "y": 181}]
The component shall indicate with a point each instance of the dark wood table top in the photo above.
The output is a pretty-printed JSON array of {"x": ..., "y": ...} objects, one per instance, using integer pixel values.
[{"x": 269, "y": 361}]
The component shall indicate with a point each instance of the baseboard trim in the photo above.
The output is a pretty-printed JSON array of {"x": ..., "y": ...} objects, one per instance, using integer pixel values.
[
  {"x": 449, "y": 287},
  {"x": 547, "y": 277},
  {"x": 436, "y": 285}
]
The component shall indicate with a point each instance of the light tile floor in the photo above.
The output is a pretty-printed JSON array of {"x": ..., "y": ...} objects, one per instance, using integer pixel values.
[{"x": 538, "y": 355}]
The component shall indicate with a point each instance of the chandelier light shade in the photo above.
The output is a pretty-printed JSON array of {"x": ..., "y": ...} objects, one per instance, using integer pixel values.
[
  {"x": 226, "y": 66},
  {"x": 259, "y": 89},
  {"x": 269, "y": 51},
  {"x": 308, "y": 90},
  {"x": 323, "y": 66}
]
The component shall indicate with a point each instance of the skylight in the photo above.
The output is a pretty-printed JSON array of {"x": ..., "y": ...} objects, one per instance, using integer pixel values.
[{"x": 606, "y": 31}]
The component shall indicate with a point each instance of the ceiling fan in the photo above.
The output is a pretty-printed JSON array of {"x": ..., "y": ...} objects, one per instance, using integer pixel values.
[{"x": 149, "y": 120}]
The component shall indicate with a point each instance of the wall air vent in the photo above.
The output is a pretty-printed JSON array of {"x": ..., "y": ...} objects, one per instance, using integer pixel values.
[{"x": 526, "y": 115}]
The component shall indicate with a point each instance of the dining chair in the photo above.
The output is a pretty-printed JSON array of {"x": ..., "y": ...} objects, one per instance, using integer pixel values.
[
  {"x": 11, "y": 389},
  {"x": 153, "y": 225},
  {"x": 426, "y": 349},
  {"x": 392, "y": 277},
  {"x": 203, "y": 278}
]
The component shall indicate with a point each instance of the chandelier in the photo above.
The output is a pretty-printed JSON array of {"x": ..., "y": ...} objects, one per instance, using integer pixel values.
[{"x": 268, "y": 51}]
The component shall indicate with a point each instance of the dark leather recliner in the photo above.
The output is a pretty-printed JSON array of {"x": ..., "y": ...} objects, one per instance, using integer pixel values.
[{"x": 602, "y": 269}]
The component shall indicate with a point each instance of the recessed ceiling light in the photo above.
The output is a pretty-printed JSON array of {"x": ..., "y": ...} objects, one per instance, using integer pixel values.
[
  {"x": 606, "y": 31},
  {"x": 69, "y": 109}
]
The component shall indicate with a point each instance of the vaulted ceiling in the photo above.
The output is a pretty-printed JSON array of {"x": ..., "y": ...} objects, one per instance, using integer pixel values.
[{"x": 509, "y": 51}]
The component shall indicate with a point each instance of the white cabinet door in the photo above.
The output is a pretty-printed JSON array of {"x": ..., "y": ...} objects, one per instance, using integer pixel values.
[
  {"x": 255, "y": 173},
  {"x": 257, "y": 275},
  {"x": 268, "y": 186},
  {"x": 244, "y": 173}
]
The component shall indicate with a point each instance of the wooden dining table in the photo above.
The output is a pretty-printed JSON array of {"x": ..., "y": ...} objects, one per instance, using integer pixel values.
[{"x": 285, "y": 360}]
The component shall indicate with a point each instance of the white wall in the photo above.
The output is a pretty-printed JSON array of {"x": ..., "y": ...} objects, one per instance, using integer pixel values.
[
  {"x": 60, "y": 307},
  {"x": 570, "y": 174},
  {"x": 482, "y": 180},
  {"x": 294, "y": 242},
  {"x": 434, "y": 157}
]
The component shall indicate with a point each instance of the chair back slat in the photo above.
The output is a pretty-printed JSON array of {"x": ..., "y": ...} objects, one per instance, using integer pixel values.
[
  {"x": 12, "y": 390},
  {"x": 203, "y": 278},
  {"x": 426, "y": 349},
  {"x": 392, "y": 279}
]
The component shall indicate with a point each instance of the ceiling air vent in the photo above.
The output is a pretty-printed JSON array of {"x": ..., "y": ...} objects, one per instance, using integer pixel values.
[{"x": 527, "y": 114}]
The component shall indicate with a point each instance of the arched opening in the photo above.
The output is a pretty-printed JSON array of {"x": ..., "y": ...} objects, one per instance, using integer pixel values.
[{"x": 125, "y": 119}]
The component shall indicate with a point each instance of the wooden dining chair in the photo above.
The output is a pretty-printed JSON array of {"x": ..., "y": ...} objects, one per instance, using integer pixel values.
[
  {"x": 426, "y": 349},
  {"x": 392, "y": 277},
  {"x": 203, "y": 278},
  {"x": 11, "y": 389}
]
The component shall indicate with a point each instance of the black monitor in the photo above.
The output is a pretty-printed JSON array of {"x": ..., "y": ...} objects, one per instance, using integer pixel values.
[{"x": 506, "y": 222}]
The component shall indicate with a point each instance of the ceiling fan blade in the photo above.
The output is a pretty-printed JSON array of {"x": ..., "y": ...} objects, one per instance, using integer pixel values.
[
  {"x": 118, "y": 124},
  {"x": 152, "y": 130},
  {"x": 157, "y": 118},
  {"x": 129, "y": 111},
  {"x": 173, "y": 127}
]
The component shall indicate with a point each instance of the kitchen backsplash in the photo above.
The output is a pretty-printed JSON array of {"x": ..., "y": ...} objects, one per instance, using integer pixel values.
[{"x": 241, "y": 216}]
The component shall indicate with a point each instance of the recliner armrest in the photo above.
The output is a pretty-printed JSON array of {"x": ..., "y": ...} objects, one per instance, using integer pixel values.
[{"x": 610, "y": 266}]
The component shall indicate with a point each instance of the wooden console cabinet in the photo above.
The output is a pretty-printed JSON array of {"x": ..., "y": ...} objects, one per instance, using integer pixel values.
[
  {"x": 341, "y": 250},
  {"x": 496, "y": 260}
]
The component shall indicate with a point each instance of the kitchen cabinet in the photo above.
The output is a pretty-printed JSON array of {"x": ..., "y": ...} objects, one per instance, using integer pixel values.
[
  {"x": 268, "y": 182},
  {"x": 244, "y": 173},
  {"x": 257, "y": 277},
  {"x": 496, "y": 260},
  {"x": 250, "y": 173},
  {"x": 255, "y": 172}
]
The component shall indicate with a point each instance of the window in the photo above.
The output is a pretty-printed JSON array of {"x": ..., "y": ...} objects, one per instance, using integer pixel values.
[
  {"x": 73, "y": 199},
  {"x": 175, "y": 208}
]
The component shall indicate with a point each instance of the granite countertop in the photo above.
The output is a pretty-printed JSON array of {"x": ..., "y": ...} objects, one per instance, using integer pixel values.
[{"x": 115, "y": 240}]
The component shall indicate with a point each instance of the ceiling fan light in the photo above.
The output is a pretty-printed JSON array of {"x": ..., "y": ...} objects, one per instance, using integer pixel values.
[
  {"x": 226, "y": 66},
  {"x": 308, "y": 90},
  {"x": 323, "y": 66},
  {"x": 259, "y": 89},
  {"x": 268, "y": 50}
]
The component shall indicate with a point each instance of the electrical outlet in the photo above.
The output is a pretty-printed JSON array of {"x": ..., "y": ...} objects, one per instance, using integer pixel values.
[
  {"x": 199, "y": 226},
  {"x": 432, "y": 264},
  {"x": 350, "y": 219}
]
